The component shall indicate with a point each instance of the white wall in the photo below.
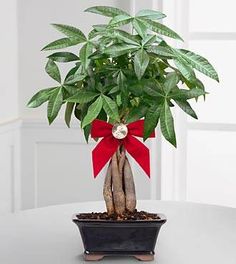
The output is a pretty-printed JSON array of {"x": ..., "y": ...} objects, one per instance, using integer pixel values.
[
  {"x": 9, "y": 61},
  {"x": 203, "y": 167}
]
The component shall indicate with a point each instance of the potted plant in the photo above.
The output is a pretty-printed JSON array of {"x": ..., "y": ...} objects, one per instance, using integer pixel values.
[{"x": 121, "y": 86}]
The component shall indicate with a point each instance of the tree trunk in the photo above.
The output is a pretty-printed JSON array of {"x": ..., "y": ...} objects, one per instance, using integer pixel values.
[
  {"x": 130, "y": 195},
  {"x": 107, "y": 191},
  {"x": 119, "y": 188}
]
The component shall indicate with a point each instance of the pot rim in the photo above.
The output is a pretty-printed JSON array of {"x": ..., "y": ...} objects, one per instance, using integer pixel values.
[{"x": 162, "y": 219}]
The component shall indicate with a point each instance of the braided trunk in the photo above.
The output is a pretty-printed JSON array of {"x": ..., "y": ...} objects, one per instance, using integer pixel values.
[{"x": 119, "y": 188}]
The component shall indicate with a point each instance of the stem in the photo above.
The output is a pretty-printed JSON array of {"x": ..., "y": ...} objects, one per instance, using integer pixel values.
[
  {"x": 118, "y": 192},
  {"x": 119, "y": 188},
  {"x": 130, "y": 195},
  {"x": 107, "y": 192}
]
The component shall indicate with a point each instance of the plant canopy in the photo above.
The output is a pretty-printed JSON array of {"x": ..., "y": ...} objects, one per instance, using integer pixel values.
[{"x": 118, "y": 76}]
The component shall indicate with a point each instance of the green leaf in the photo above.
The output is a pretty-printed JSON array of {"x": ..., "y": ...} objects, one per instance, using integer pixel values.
[
  {"x": 160, "y": 28},
  {"x": 108, "y": 11},
  {"x": 121, "y": 80},
  {"x": 126, "y": 37},
  {"x": 100, "y": 27},
  {"x": 119, "y": 49},
  {"x": 140, "y": 28},
  {"x": 141, "y": 60},
  {"x": 82, "y": 97},
  {"x": 151, "y": 120},
  {"x": 161, "y": 51},
  {"x": 136, "y": 113},
  {"x": 63, "y": 57},
  {"x": 148, "y": 40},
  {"x": 69, "y": 90},
  {"x": 167, "y": 124},
  {"x": 61, "y": 43},
  {"x": 150, "y": 14},
  {"x": 84, "y": 54},
  {"x": 110, "y": 107},
  {"x": 199, "y": 63},
  {"x": 54, "y": 104},
  {"x": 70, "y": 32},
  {"x": 68, "y": 112},
  {"x": 40, "y": 97},
  {"x": 120, "y": 20},
  {"x": 87, "y": 130},
  {"x": 186, "y": 107},
  {"x": 182, "y": 94},
  {"x": 171, "y": 81},
  {"x": 153, "y": 91},
  {"x": 74, "y": 79},
  {"x": 93, "y": 111},
  {"x": 53, "y": 70},
  {"x": 114, "y": 90},
  {"x": 185, "y": 70}
]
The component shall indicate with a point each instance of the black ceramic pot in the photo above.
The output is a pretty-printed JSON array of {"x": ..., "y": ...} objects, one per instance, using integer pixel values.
[{"x": 128, "y": 238}]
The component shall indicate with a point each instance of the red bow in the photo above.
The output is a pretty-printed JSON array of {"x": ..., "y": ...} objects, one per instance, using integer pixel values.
[{"x": 109, "y": 144}]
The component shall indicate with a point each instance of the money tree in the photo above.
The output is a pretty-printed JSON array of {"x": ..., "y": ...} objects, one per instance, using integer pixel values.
[{"x": 121, "y": 76}]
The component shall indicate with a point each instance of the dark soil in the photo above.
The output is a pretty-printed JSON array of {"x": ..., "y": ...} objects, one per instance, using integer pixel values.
[{"x": 136, "y": 215}]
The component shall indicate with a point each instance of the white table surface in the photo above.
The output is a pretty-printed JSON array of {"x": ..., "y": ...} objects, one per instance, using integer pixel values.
[{"x": 194, "y": 234}]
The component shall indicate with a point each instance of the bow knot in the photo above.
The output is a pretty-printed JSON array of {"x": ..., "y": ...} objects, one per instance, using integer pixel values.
[{"x": 113, "y": 137}]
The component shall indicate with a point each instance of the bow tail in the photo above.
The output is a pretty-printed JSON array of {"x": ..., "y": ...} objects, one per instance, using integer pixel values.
[
  {"x": 103, "y": 152},
  {"x": 139, "y": 152}
]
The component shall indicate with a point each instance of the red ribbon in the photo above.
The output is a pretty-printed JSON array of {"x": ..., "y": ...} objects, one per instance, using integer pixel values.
[{"x": 109, "y": 144}]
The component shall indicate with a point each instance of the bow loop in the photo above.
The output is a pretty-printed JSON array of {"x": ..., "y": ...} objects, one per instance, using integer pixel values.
[
  {"x": 136, "y": 128},
  {"x": 100, "y": 128}
]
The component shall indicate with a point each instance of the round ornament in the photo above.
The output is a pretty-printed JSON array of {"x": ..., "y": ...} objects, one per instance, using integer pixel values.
[{"x": 119, "y": 131}]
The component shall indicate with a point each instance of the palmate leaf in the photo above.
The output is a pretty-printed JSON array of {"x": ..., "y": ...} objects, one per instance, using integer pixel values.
[
  {"x": 68, "y": 112},
  {"x": 198, "y": 62},
  {"x": 139, "y": 27},
  {"x": 150, "y": 14},
  {"x": 151, "y": 120},
  {"x": 40, "y": 97},
  {"x": 53, "y": 70},
  {"x": 183, "y": 94},
  {"x": 110, "y": 107},
  {"x": 62, "y": 43},
  {"x": 69, "y": 91},
  {"x": 84, "y": 54},
  {"x": 160, "y": 28},
  {"x": 121, "y": 79},
  {"x": 82, "y": 97},
  {"x": 93, "y": 111},
  {"x": 72, "y": 79},
  {"x": 171, "y": 81},
  {"x": 185, "y": 69},
  {"x": 153, "y": 91},
  {"x": 108, "y": 11},
  {"x": 70, "y": 31},
  {"x": 141, "y": 60},
  {"x": 119, "y": 49},
  {"x": 54, "y": 104},
  {"x": 167, "y": 123},
  {"x": 100, "y": 27},
  {"x": 120, "y": 20},
  {"x": 126, "y": 37},
  {"x": 161, "y": 51},
  {"x": 115, "y": 89},
  {"x": 148, "y": 40},
  {"x": 186, "y": 107},
  {"x": 63, "y": 57}
]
